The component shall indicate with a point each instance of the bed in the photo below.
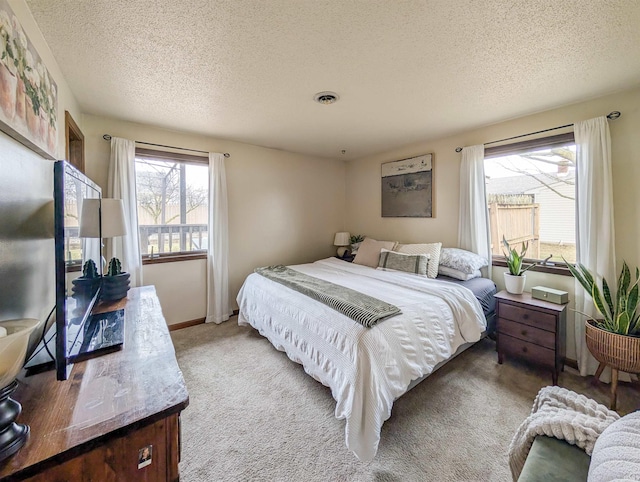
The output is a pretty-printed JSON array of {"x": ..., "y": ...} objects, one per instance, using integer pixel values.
[{"x": 365, "y": 368}]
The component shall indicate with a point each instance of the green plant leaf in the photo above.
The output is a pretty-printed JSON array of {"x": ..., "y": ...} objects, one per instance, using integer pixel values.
[
  {"x": 607, "y": 295},
  {"x": 597, "y": 300},
  {"x": 578, "y": 275},
  {"x": 622, "y": 323}
]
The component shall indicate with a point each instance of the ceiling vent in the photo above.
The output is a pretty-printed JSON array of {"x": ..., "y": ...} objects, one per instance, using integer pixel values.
[{"x": 326, "y": 98}]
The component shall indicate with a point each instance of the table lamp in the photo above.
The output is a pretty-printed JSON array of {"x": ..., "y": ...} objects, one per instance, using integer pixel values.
[
  {"x": 14, "y": 340},
  {"x": 342, "y": 240}
]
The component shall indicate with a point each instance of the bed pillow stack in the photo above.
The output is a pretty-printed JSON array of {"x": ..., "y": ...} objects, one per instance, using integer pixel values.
[
  {"x": 430, "y": 249},
  {"x": 369, "y": 251},
  {"x": 461, "y": 264}
]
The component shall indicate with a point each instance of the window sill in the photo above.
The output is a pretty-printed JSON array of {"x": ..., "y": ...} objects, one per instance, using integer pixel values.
[
  {"x": 172, "y": 258},
  {"x": 557, "y": 269}
]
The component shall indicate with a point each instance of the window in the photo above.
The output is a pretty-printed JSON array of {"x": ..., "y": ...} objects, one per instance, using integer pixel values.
[
  {"x": 173, "y": 196},
  {"x": 531, "y": 197}
]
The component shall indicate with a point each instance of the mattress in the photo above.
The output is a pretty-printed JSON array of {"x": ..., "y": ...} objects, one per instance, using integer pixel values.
[
  {"x": 366, "y": 368},
  {"x": 483, "y": 288}
]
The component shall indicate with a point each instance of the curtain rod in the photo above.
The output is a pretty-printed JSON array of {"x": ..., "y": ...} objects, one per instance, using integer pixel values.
[
  {"x": 612, "y": 116},
  {"x": 107, "y": 137}
]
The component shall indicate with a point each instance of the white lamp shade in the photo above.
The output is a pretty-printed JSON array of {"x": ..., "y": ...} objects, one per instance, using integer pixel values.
[
  {"x": 342, "y": 239},
  {"x": 90, "y": 219},
  {"x": 111, "y": 211},
  {"x": 113, "y": 218}
]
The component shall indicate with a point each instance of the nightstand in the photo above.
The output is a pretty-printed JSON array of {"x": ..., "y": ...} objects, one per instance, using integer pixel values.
[
  {"x": 531, "y": 329},
  {"x": 348, "y": 258}
]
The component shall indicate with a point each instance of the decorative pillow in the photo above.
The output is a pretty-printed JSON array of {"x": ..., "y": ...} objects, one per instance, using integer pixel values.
[
  {"x": 432, "y": 249},
  {"x": 369, "y": 251},
  {"x": 616, "y": 454},
  {"x": 462, "y": 260},
  {"x": 457, "y": 274},
  {"x": 410, "y": 263}
]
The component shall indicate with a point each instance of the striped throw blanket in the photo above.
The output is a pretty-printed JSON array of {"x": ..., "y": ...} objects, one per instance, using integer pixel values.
[{"x": 362, "y": 308}]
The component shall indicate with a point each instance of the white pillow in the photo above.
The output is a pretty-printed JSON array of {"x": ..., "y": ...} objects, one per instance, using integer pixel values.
[
  {"x": 432, "y": 249},
  {"x": 457, "y": 274},
  {"x": 409, "y": 263},
  {"x": 616, "y": 454},
  {"x": 462, "y": 260}
]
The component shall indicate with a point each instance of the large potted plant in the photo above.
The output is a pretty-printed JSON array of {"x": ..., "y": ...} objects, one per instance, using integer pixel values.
[
  {"x": 515, "y": 279},
  {"x": 115, "y": 283},
  {"x": 613, "y": 340}
]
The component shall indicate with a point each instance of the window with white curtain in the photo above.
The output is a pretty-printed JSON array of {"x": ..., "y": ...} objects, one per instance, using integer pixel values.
[
  {"x": 173, "y": 200},
  {"x": 531, "y": 197}
]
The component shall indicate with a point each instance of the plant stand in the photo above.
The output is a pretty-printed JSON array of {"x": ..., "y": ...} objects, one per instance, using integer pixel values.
[{"x": 620, "y": 352}]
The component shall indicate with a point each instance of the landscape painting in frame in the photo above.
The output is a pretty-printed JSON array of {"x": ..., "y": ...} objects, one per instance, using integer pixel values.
[
  {"x": 28, "y": 94},
  {"x": 407, "y": 188}
]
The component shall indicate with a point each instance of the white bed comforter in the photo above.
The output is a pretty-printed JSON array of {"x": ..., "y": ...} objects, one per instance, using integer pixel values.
[{"x": 365, "y": 368}]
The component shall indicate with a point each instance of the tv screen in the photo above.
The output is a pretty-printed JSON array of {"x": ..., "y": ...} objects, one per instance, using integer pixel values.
[
  {"x": 76, "y": 206},
  {"x": 78, "y": 247}
]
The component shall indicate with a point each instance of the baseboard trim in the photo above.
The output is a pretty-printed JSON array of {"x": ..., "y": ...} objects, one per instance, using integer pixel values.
[
  {"x": 187, "y": 324},
  {"x": 571, "y": 363}
]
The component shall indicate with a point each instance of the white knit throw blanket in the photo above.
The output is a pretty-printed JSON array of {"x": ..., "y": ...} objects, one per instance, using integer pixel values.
[{"x": 563, "y": 414}]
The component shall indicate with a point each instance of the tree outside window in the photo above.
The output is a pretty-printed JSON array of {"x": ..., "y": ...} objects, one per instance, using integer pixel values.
[{"x": 172, "y": 206}]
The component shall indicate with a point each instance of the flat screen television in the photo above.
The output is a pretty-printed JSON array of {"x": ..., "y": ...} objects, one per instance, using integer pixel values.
[{"x": 76, "y": 333}]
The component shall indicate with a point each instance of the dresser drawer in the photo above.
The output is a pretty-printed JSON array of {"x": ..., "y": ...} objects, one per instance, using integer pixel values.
[
  {"x": 528, "y": 333},
  {"x": 524, "y": 349},
  {"x": 538, "y": 319}
]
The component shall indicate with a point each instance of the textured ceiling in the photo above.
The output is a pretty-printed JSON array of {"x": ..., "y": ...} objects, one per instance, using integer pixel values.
[{"x": 405, "y": 70}]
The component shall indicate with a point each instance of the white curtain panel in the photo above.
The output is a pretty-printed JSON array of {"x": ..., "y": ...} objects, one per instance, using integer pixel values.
[
  {"x": 122, "y": 185},
  {"x": 473, "y": 222},
  {"x": 218, "y": 306},
  {"x": 594, "y": 222}
]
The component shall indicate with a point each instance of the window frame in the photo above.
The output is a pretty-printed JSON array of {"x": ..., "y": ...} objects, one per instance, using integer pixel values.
[
  {"x": 515, "y": 148},
  {"x": 162, "y": 155}
]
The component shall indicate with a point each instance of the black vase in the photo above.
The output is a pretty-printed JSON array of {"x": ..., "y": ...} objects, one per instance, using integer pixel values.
[
  {"x": 12, "y": 435},
  {"x": 114, "y": 287}
]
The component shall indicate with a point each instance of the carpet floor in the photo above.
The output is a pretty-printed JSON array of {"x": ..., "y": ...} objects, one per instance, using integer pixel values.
[{"x": 254, "y": 415}]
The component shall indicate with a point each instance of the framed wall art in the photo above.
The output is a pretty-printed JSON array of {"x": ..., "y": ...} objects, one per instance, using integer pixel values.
[
  {"x": 407, "y": 188},
  {"x": 28, "y": 94}
]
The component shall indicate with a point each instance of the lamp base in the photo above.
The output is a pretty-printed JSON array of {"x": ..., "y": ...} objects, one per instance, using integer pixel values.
[
  {"x": 343, "y": 251},
  {"x": 12, "y": 435}
]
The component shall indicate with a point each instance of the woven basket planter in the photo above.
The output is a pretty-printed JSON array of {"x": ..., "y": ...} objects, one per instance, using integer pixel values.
[{"x": 620, "y": 352}]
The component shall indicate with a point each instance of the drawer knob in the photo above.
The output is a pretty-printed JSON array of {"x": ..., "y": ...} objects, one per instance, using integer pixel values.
[
  {"x": 524, "y": 349},
  {"x": 524, "y": 332},
  {"x": 525, "y": 316}
]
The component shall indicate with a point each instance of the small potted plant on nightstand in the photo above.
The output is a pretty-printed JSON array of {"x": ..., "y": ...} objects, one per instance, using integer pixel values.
[
  {"x": 515, "y": 279},
  {"x": 115, "y": 283},
  {"x": 355, "y": 241}
]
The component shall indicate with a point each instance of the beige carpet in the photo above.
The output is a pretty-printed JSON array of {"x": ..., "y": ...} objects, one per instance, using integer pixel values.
[{"x": 255, "y": 415}]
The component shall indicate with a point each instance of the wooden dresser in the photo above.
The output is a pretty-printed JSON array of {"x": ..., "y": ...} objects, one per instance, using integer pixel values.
[
  {"x": 96, "y": 425},
  {"x": 531, "y": 329}
]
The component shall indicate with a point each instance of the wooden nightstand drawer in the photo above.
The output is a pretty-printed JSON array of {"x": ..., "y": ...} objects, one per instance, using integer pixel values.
[
  {"x": 531, "y": 329},
  {"x": 538, "y": 319},
  {"x": 523, "y": 349},
  {"x": 527, "y": 333}
]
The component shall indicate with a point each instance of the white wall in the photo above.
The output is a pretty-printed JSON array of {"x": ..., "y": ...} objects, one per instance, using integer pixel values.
[
  {"x": 363, "y": 183},
  {"x": 284, "y": 208}
]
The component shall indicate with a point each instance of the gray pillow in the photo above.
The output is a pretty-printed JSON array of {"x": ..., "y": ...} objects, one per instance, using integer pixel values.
[
  {"x": 462, "y": 260},
  {"x": 409, "y": 263}
]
